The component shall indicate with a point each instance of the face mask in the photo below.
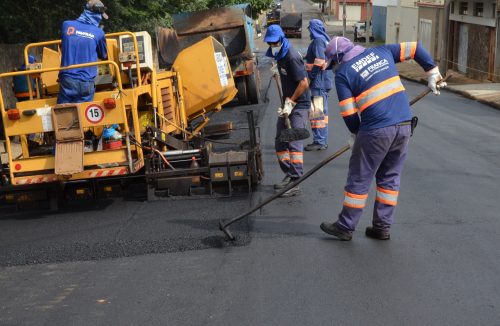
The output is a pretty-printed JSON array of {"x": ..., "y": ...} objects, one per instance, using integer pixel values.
[{"x": 275, "y": 50}]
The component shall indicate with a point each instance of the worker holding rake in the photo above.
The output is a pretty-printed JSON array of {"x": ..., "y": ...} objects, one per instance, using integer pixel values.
[
  {"x": 293, "y": 115},
  {"x": 376, "y": 110}
]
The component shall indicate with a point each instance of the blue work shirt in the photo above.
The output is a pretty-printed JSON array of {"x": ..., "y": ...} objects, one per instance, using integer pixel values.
[
  {"x": 292, "y": 71},
  {"x": 369, "y": 89},
  {"x": 81, "y": 43},
  {"x": 320, "y": 78}
]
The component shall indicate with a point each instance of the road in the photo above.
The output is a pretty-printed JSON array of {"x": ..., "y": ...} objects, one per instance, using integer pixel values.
[{"x": 165, "y": 263}]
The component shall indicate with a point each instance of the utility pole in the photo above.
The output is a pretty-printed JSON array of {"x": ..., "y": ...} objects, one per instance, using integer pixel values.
[
  {"x": 368, "y": 16},
  {"x": 344, "y": 17},
  {"x": 443, "y": 61}
]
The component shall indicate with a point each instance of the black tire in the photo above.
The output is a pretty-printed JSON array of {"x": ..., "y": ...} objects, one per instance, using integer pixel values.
[
  {"x": 253, "y": 88},
  {"x": 362, "y": 40},
  {"x": 372, "y": 39},
  {"x": 241, "y": 85}
]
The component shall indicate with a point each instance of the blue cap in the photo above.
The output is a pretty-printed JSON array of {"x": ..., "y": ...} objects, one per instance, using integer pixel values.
[
  {"x": 274, "y": 34},
  {"x": 31, "y": 59}
]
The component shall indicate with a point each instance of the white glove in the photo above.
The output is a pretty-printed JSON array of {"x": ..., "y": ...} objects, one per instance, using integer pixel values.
[
  {"x": 280, "y": 112},
  {"x": 274, "y": 69},
  {"x": 351, "y": 140},
  {"x": 288, "y": 107},
  {"x": 434, "y": 76}
]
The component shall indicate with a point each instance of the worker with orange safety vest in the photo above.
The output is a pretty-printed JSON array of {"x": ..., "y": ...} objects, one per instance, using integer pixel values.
[
  {"x": 320, "y": 83},
  {"x": 376, "y": 110}
]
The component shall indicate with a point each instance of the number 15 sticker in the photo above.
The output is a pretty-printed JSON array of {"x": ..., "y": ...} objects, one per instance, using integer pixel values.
[{"x": 94, "y": 113}]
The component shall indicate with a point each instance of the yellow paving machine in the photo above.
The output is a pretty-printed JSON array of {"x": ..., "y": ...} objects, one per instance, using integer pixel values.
[{"x": 158, "y": 118}]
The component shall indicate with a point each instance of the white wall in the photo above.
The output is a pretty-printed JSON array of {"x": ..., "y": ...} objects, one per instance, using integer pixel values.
[
  {"x": 407, "y": 30},
  {"x": 408, "y": 3},
  {"x": 384, "y": 3}
]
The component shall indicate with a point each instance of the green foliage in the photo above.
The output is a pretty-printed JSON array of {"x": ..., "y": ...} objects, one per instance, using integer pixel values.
[{"x": 23, "y": 21}]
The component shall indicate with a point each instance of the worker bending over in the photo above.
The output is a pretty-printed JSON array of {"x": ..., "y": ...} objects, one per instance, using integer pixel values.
[
  {"x": 375, "y": 108},
  {"x": 297, "y": 101},
  {"x": 320, "y": 83},
  {"x": 82, "y": 42}
]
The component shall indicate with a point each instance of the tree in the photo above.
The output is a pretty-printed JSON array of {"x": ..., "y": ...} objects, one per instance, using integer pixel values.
[{"x": 24, "y": 21}]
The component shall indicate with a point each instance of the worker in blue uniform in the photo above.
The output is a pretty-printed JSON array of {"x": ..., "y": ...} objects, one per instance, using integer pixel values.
[
  {"x": 297, "y": 101},
  {"x": 376, "y": 110},
  {"x": 320, "y": 83},
  {"x": 82, "y": 42}
]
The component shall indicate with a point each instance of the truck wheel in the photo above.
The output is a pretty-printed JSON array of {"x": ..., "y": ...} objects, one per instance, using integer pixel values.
[
  {"x": 241, "y": 85},
  {"x": 252, "y": 88}
]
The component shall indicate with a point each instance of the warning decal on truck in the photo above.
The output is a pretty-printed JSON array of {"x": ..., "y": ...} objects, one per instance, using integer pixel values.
[
  {"x": 222, "y": 68},
  {"x": 94, "y": 113}
]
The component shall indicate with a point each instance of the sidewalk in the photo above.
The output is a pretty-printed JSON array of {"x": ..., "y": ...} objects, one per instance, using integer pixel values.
[{"x": 485, "y": 92}]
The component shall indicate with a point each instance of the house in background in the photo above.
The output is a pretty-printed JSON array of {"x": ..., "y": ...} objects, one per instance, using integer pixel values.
[
  {"x": 431, "y": 24},
  {"x": 379, "y": 20},
  {"x": 402, "y": 22},
  {"x": 473, "y": 39},
  {"x": 355, "y": 10}
]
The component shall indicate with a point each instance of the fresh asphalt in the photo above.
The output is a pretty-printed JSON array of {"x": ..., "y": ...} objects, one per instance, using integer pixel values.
[{"x": 165, "y": 263}]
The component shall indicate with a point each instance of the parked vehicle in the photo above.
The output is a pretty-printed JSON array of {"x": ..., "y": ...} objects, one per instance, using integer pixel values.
[
  {"x": 291, "y": 23},
  {"x": 231, "y": 26},
  {"x": 360, "y": 32}
]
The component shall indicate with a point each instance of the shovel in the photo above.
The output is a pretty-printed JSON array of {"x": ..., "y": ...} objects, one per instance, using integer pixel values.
[{"x": 289, "y": 134}]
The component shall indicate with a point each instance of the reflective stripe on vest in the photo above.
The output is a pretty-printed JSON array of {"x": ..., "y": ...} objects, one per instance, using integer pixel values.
[
  {"x": 318, "y": 124},
  {"x": 408, "y": 50},
  {"x": 318, "y": 62},
  {"x": 348, "y": 107},
  {"x": 354, "y": 200},
  {"x": 297, "y": 157},
  {"x": 379, "y": 92},
  {"x": 283, "y": 156},
  {"x": 386, "y": 196}
]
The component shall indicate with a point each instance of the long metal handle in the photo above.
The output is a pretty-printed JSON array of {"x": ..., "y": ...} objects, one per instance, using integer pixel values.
[
  {"x": 280, "y": 91},
  {"x": 223, "y": 226},
  {"x": 427, "y": 91}
]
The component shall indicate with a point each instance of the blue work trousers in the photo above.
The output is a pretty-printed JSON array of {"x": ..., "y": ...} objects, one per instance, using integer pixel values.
[
  {"x": 291, "y": 154},
  {"x": 378, "y": 153},
  {"x": 319, "y": 126},
  {"x": 75, "y": 91}
]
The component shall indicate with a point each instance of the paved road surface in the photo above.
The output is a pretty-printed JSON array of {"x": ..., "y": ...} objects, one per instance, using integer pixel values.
[{"x": 130, "y": 263}]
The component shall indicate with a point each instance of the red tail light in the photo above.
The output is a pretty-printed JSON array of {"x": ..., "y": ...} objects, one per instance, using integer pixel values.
[
  {"x": 14, "y": 114},
  {"x": 109, "y": 103}
]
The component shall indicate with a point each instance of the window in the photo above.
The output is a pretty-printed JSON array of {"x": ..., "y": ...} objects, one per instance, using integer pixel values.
[
  {"x": 452, "y": 8},
  {"x": 463, "y": 8},
  {"x": 478, "y": 9}
]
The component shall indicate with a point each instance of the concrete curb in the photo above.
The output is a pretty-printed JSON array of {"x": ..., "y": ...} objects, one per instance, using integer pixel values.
[{"x": 456, "y": 91}]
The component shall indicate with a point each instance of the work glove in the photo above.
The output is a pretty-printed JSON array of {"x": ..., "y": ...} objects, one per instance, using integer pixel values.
[
  {"x": 434, "y": 78},
  {"x": 351, "y": 140},
  {"x": 280, "y": 112},
  {"x": 288, "y": 107},
  {"x": 274, "y": 69}
]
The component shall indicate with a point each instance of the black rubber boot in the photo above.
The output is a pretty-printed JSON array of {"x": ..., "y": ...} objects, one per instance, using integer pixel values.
[
  {"x": 333, "y": 229},
  {"x": 377, "y": 234}
]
